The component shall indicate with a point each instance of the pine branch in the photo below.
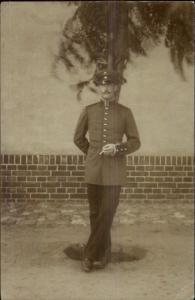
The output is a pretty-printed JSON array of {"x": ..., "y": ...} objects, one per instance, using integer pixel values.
[
  {"x": 79, "y": 88},
  {"x": 115, "y": 29},
  {"x": 75, "y": 53}
]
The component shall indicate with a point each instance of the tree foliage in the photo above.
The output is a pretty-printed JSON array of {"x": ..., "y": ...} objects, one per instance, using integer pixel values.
[{"x": 114, "y": 30}]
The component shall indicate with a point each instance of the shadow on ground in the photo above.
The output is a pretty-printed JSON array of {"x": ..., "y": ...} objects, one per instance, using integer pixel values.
[{"x": 76, "y": 251}]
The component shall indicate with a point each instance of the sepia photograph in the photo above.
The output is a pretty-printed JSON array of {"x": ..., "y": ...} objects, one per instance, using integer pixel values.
[{"x": 97, "y": 150}]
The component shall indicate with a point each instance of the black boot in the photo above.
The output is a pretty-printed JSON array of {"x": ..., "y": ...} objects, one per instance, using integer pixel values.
[
  {"x": 87, "y": 265},
  {"x": 103, "y": 261}
]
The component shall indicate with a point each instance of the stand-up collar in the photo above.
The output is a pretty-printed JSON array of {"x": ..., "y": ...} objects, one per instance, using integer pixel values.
[{"x": 107, "y": 103}]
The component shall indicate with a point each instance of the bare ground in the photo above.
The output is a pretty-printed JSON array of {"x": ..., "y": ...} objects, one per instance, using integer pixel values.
[{"x": 34, "y": 265}]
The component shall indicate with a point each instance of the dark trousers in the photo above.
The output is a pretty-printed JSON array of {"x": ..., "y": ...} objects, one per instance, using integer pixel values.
[{"x": 103, "y": 201}]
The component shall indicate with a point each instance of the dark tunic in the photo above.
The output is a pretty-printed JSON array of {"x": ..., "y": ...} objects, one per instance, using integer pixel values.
[{"x": 105, "y": 125}]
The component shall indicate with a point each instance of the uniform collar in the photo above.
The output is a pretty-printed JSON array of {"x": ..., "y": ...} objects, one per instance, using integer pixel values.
[{"x": 108, "y": 103}]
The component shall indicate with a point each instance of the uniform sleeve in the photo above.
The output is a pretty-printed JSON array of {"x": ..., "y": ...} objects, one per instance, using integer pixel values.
[
  {"x": 80, "y": 139},
  {"x": 133, "y": 141}
]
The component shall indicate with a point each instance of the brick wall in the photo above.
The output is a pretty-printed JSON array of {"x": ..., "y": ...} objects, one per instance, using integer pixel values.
[{"x": 61, "y": 178}]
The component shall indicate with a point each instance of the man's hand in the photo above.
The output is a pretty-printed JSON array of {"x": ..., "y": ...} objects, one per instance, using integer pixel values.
[{"x": 108, "y": 150}]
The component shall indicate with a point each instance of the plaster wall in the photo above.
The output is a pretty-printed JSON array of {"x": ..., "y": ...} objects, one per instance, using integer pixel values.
[{"x": 39, "y": 112}]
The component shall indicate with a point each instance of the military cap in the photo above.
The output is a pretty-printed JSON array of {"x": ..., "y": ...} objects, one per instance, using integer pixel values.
[{"x": 106, "y": 77}]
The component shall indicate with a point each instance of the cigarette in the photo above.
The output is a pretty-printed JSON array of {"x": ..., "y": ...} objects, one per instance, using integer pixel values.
[{"x": 101, "y": 152}]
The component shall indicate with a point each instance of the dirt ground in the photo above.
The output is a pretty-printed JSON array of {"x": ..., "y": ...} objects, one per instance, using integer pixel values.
[{"x": 34, "y": 265}]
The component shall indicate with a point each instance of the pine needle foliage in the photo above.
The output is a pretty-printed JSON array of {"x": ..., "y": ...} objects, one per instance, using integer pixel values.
[{"x": 117, "y": 30}]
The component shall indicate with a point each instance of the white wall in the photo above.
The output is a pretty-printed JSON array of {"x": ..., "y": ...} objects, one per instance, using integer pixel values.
[{"x": 39, "y": 112}]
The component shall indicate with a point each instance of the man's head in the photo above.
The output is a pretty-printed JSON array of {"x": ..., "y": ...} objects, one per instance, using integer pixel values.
[{"x": 109, "y": 84}]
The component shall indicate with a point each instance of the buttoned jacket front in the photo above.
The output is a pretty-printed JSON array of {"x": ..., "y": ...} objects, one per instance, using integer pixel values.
[{"x": 105, "y": 125}]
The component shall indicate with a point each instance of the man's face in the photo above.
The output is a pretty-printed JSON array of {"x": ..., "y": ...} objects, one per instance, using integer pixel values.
[{"x": 109, "y": 91}]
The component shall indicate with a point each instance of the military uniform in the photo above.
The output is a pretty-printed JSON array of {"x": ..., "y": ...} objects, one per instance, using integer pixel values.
[
  {"x": 104, "y": 175},
  {"x": 106, "y": 124}
]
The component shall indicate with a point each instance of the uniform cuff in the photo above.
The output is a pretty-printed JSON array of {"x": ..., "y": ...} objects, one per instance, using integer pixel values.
[{"x": 121, "y": 149}]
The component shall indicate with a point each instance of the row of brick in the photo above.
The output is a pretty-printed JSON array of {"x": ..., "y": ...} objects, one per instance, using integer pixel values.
[
  {"x": 56, "y": 182},
  {"x": 64, "y": 197},
  {"x": 131, "y": 189},
  {"x": 79, "y": 159},
  {"x": 139, "y": 194},
  {"x": 80, "y": 168},
  {"x": 63, "y": 178},
  {"x": 77, "y": 174}
]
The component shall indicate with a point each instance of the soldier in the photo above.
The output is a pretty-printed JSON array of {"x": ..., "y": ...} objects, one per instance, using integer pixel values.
[{"x": 107, "y": 122}]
